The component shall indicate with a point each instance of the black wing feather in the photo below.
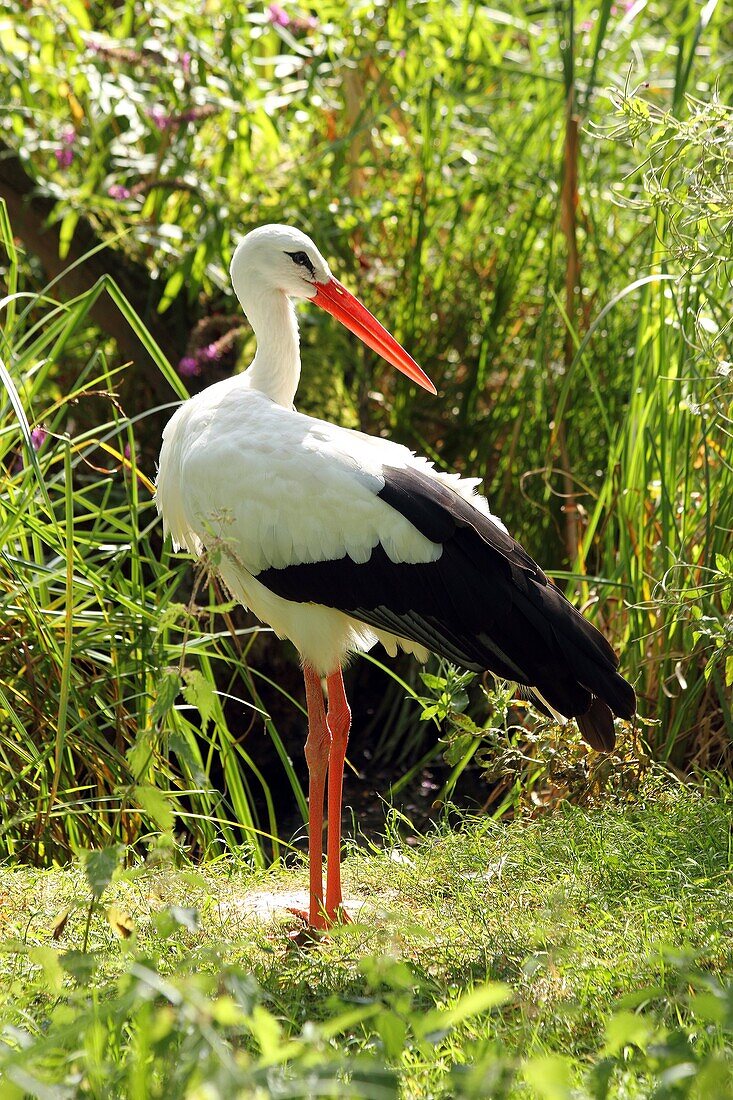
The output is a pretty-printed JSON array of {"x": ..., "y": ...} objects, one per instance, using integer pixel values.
[{"x": 484, "y": 604}]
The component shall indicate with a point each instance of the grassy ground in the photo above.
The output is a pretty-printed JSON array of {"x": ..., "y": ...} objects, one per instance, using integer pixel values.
[
  {"x": 535, "y": 198},
  {"x": 585, "y": 954}
]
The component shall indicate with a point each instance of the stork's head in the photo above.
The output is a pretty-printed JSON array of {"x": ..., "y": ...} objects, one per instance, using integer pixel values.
[{"x": 281, "y": 258}]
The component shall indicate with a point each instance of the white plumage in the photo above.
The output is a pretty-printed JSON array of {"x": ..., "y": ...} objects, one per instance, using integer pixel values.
[
  {"x": 337, "y": 539},
  {"x": 241, "y": 472}
]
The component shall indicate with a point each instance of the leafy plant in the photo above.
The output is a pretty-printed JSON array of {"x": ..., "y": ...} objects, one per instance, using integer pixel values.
[
  {"x": 457, "y": 161},
  {"x": 100, "y": 634}
]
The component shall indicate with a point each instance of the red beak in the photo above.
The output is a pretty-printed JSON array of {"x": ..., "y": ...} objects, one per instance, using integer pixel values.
[{"x": 336, "y": 300}]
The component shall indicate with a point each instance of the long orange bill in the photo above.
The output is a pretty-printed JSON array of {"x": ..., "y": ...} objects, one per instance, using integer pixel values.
[{"x": 338, "y": 301}]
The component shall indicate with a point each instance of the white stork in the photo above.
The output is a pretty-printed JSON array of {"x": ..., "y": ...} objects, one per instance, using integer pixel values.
[{"x": 338, "y": 540}]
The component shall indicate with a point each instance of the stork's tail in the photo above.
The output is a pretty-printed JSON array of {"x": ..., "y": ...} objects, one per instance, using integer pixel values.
[
  {"x": 596, "y": 726},
  {"x": 578, "y": 677},
  {"x": 596, "y": 723}
]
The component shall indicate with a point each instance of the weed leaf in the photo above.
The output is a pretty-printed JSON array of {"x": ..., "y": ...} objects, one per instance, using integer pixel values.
[
  {"x": 120, "y": 922},
  {"x": 156, "y": 805},
  {"x": 99, "y": 867}
]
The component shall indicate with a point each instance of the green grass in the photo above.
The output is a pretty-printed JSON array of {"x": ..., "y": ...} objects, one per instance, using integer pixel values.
[{"x": 584, "y": 954}]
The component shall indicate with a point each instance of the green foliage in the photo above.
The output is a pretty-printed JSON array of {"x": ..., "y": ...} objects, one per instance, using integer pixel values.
[
  {"x": 96, "y": 638},
  {"x": 665, "y": 509},
  {"x": 99, "y": 867},
  {"x": 448, "y": 693},
  {"x": 553, "y": 253},
  {"x": 686, "y": 179}
]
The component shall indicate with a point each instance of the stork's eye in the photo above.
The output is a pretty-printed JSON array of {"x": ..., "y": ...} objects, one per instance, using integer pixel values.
[{"x": 302, "y": 259}]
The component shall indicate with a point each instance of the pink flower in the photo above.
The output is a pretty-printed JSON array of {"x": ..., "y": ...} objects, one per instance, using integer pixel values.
[
  {"x": 186, "y": 63},
  {"x": 210, "y": 353},
  {"x": 64, "y": 157},
  {"x": 38, "y": 438},
  {"x": 117, "y": 191},
  {"x": 188, "y": 367},
  {"x": 192, "y": 115},
  {"x": 158, "y": 117},
  {"x": 171, "y": 122},
  {"x": 278, "y": 15}
]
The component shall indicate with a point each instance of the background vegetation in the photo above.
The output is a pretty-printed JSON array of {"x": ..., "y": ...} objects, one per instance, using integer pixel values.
[{"x": 538, "y": 201}]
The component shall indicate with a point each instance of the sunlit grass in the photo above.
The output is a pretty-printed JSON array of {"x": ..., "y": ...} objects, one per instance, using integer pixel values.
[{"x": 595, "y": 939}]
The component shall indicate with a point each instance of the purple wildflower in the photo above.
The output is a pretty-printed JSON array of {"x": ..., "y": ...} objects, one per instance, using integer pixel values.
[
  {"x": 64, "y": 157},
  {"x": 158, "y": 117},
  {"x": 211, "y": 353},
  {"x": 119, "y": 192},
  {"x": 278, "y": 15},
  {"x": 186, "y": 63},
  {"x": 188, "y": 367},
  {"x": 38, "y": 438},
  {"x": 192, "y": 115}
]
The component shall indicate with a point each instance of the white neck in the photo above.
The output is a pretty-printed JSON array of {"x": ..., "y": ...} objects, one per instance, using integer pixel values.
[{"x": 275, "y": 369}]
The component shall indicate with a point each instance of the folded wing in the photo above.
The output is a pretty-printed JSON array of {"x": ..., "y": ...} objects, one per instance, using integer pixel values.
[{"x": 483, "y": 603}]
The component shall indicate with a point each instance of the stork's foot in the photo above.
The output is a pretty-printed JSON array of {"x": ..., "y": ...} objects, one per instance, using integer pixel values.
[
  {"x": 305, "y": 935},
  {"x": 320, "y": 924},
  {"x": 323, "y": 921},
  {"x": 315, "y": 931}
]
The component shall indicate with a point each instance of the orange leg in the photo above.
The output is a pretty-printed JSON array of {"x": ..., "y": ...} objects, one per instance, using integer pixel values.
[
  {"x": 317, "y": 750},
  {"x": 339, "y": 723}
]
